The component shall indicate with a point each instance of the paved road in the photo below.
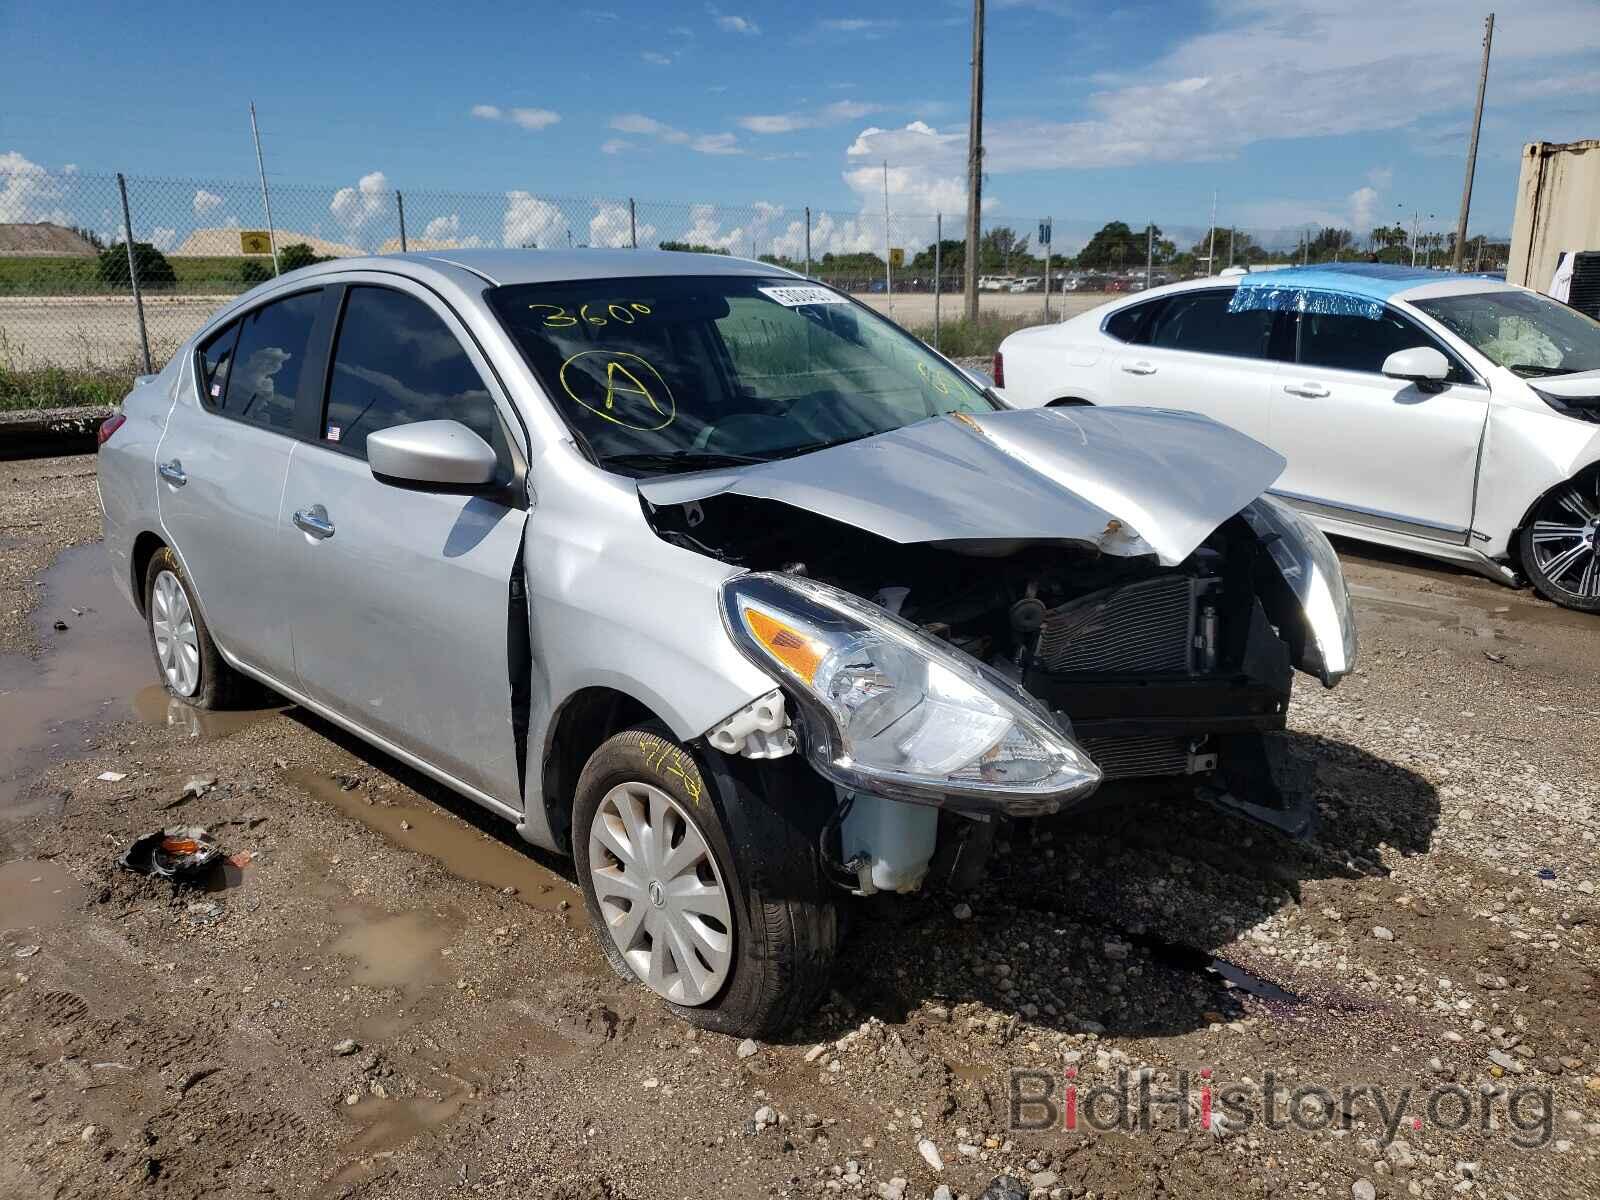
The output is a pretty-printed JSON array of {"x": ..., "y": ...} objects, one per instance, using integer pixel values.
[{"x": 101, "y": 331}]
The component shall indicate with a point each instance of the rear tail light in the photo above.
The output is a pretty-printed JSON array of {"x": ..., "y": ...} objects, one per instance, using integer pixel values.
[
  {"x": 999, "y": 371},
  {"x": 107, "y": 427}
]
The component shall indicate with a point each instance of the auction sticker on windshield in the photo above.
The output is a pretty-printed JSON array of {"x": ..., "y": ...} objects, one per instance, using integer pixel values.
[{"x": 794, "y": 297}]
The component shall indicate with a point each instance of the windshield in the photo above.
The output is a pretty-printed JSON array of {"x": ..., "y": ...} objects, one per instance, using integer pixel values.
[
  {"x": 1531, "y": 335},
  {"x": 684, "y": 372}
]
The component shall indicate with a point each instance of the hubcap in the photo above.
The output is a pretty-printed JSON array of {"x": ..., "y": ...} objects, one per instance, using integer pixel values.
[
  {"x": 177, "y": 641},
  {"x": 661, "y": 894},
  {"x": 1566, "y": 538}
]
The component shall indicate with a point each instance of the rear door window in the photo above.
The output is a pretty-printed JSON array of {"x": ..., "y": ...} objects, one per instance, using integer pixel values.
[
  {"x": 216, "y": 356},
  {"x": 1201, "y": 322},
  {"x": 264, "y": 375},
  {"x": 1133, "y": 324},
  {"x": 395, "y": 362}
]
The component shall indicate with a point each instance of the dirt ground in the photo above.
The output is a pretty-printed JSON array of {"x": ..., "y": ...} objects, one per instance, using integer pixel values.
[{"x": 385, "y": 994}]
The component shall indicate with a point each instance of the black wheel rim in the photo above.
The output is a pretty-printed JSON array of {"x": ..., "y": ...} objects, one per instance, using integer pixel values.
[{"x": 1566, "y": 538}]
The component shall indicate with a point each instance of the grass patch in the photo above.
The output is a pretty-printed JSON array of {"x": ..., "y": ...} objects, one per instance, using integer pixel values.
[
  {"x": 961, "y": 338},
  {"x": 63, "y": 387},
  {"x": 74, "y": 275}
]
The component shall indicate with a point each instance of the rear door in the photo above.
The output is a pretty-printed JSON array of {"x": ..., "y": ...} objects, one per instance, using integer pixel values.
[
  {"x": 222, "y": 463},
  {"x": 1369, "y": 449},
  {"x": 1193, "y": 353},
  {"x": 402, "y": 593}
]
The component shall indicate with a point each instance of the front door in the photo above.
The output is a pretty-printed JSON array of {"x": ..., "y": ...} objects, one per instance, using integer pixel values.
[
  {"x": 1369, "y": 449},
  {"x": 403, "y": 594}
]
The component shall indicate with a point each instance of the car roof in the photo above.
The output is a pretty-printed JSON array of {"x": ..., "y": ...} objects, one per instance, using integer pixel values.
[
  {"x": 1368, "y": 282},
  {"x": 554, "y": 266}
]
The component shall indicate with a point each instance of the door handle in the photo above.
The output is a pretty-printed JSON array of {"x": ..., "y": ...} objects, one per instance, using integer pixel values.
[
  {"x": 172, "y": 472},
  {"x": 1312, "y": 391},
  {"x": 1139, "y": 368},
  {"x": 314, "y": 520}
]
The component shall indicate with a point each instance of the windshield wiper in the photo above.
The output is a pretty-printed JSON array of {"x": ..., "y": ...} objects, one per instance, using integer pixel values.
[
  {"x": 1541, "y": 371},
  {"x": 797, "y": 451},
  {"x": 678, "y": 460}
]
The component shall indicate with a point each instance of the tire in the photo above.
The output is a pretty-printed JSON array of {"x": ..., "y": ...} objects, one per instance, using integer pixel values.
[
  {"x": 195, "y": 673},
  {"x": 1560, "y": 544},
  {"x": 782, "y": 927}
]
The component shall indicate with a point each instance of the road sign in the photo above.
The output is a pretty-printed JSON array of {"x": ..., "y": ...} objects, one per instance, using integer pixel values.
[
  {"x": 897, "y": 256},
  {"x": 1044, "y": 233},
  {"x": 255, "y": 241}
]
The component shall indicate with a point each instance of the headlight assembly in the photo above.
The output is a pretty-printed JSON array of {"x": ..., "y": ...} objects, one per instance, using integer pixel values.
[
  {"x": 1311, "y": 569},
  {"x": 892, "y": 711}
]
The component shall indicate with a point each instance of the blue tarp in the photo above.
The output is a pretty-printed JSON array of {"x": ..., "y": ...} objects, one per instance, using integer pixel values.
[{"x": 1341, "y": 289}]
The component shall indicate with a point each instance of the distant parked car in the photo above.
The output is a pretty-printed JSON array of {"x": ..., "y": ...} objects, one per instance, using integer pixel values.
[
  {"x": 1028, "y": 283},
  {"x": 1448, "y": 415}
]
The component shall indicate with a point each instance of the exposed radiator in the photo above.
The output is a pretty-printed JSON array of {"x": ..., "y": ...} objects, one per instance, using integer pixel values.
[
  {"x": 1143, "y": 627},
  {"x": 1129, "y": 757}
]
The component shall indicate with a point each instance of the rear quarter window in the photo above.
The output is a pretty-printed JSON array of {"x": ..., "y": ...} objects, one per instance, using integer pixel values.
[{"x": 1132, "y": 324}]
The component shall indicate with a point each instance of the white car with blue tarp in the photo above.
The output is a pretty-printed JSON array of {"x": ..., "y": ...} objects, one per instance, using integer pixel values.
[{"x": 1449, "y": 415}]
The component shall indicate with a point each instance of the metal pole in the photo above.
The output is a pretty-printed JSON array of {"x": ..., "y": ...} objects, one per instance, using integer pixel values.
[
  {"x": 400, "y": 206},
  {"x": 1231, "y": 232},
  {"x": 1050, "y": 223},
  {"x": 888, "y": 269},
  {"x": 633, "y": 228},
  {"x": 133, "y": 273},
  {"x": 266, "y": 200},
  {"x": 974, "y": 165},
  {"x": 808, "y": 241},
  {"x": 1149, "y": 252},
  {"x": 1211, "y": 252},
  {"x": 1472, "y": 147},
  {"x": 938, "y": 246},
  {"x": 1416, "y": 218}
]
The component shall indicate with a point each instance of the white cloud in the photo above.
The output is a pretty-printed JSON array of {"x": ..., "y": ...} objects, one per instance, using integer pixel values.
[
  {"x": 1363, "y": 66},
  {"x": 444, "y": 233},
  {"x": 716, "y": 143},
  {"x": 205, "y": 201},
  {"x": 609, "y": 227},
  {"x": 354, "y": 207},
  {"x": 162, "y": 237},
  {"x": 29, "y": 193},
  {"x": 829, "y": 114},
  {"x": 615, "y": 145},
  {"x": 534, "y": 118},
  {"x": 527, "y": 118},
  {"x": 638, "y": 123},
  {"x": 854, "y": 25},
  {"x": 648, "y": 127},
  {"x": 732, "y": 24},
  {"x": 529, "y": 221},
  {"x": 659, "y": 59}
]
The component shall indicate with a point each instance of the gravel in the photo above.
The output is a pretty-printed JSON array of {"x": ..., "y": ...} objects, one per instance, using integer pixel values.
[{"x": 497, "y": 1055}]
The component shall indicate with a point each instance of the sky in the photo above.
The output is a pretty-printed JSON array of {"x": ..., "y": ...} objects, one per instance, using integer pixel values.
[{"x": 1329, "y": 112}]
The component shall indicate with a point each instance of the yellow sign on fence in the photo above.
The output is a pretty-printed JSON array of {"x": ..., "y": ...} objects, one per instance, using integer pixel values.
[
  {"x": 897, "y": 257},
  {"x": 254, "y": 241}
]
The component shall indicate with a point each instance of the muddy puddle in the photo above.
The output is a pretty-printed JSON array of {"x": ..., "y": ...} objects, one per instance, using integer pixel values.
[
  {"x": 464, "y": 851},
  {"x": 393, "y": 950},
  {"x": 89, "y": 674},
  {"x": 50, "y": 706},
  {"x": 36, "y": 894},
  {"x": 386, "y": 1125}
]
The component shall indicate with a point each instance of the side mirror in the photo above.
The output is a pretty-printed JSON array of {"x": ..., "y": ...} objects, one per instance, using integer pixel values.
[
  {"x": 1420, "y": 364},
  {"x": 437, "y": 452}
]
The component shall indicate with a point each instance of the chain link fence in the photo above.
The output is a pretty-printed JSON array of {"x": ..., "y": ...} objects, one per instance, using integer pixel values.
[{"x": 80, "y": 314}]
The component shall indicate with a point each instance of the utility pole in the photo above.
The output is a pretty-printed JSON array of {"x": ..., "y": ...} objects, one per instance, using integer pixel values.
[
  {"x": 266, "y": 200},
  {"x": 1149, "y": 251},
  {"x": 1472, "y": 147},
  {"x": 1211, "y": 253},
  {"x": 808, "y": 241},
  {"x": 1231, "y": 232},
  {"x": 938, "y": 245},
  {"x": 888, "y": 267},
  {"x": 974, "y": 164}
]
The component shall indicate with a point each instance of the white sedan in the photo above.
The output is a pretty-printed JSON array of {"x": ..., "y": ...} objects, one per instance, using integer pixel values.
[{"x": 1448, "y": 415}]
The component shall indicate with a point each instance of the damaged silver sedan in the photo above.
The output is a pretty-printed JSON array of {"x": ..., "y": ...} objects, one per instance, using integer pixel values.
[{"x": 711, "y": 578}]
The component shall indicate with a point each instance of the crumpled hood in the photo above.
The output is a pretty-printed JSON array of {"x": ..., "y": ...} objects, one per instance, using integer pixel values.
[{"x": 1129, "y": 480}]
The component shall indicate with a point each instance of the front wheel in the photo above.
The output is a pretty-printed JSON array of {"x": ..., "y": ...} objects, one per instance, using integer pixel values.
[
  {"x": 1561, "y": 544},
  {"x": 739, "y": 941}
]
